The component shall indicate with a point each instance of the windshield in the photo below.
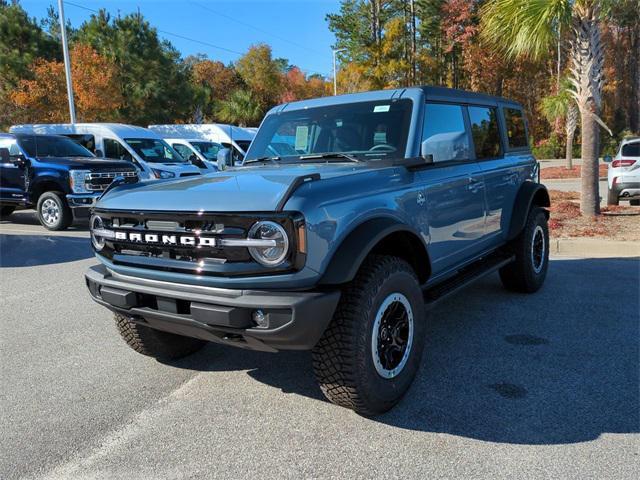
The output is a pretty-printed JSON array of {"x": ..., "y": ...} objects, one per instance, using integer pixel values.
[
  {"x": 363, "y": 129},
  {"x": 40, "y": 146},
  {"x": 209, "y": 150},
  {"x": 631, "y": 149},
  {"x": 152, "y": 150}
]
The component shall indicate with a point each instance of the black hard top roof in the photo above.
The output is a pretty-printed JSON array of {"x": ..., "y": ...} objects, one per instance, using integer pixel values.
[{"x": 454, "y": 95}]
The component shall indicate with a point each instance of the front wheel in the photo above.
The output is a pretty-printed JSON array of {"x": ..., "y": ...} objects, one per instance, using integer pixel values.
[
  {"x": 531, "y": 248},
  {"x": 155, "y": 343},
  {"x": 368, "y": 356},
  {"x": 53, "y": 211}
]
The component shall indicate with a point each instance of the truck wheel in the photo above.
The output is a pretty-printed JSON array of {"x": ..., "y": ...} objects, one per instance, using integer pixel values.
[
  {"x": 155, "y": 343},
  {"x": 370, "y": 352},
  {"x": 531, "y": 248},
  {"x": 612, "y": 198},
  {"x": 53, "y": 211},
  {"x": 5, "y": 211}
]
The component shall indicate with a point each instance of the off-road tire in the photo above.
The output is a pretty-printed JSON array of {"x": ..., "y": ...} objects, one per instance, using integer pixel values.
[
  {"x": 343, "y": 361},
  {"x": 522, "y": 275},
  {"x": 64, "y": 217},
  {"x": 612, "y": 198},
  {"x": 155, "y": 343},
  {"x": 6, "y": 210}
]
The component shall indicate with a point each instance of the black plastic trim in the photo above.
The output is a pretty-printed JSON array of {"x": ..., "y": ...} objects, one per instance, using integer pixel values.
[{"x": 523, "y": 202}]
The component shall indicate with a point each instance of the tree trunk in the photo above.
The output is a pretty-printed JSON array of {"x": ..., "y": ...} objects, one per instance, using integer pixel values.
[
  {"x": 590, "y": 195},
  {"x": 569, "y": 152}
]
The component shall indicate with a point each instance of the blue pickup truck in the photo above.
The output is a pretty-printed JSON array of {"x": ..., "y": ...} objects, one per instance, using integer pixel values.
[
  {"x": 58, "y": 177},
  {"x": 379, "y": 205}
]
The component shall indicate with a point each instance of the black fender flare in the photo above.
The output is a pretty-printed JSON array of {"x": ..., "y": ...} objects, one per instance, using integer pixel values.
[
  {"x": 530, "y": 193},
  {"x": 348, "y": 257}
]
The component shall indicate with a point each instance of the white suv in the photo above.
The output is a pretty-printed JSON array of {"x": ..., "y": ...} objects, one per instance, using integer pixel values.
[{"x": 623, "y": 178}]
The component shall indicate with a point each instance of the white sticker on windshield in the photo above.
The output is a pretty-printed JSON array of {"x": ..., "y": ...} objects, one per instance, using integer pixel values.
[
  {"x": 302, "y": 136},
  {"x": 381, "y": 108}
]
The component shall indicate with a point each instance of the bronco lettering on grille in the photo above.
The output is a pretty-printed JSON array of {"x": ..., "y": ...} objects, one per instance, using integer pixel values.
[{"x": 164, "y": 239}]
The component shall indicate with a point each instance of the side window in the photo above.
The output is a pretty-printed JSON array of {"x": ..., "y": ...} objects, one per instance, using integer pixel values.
[
  {"x": 183, "y": 150},
  {"x": 444, "y": 135},
  {"x": 8, "y": 147},
  {"x": 516, "y": 129},
  {"x": 114, "y": 149},
  {"x": 87, "y": 141},
  {"x": 485, "y": 131}
]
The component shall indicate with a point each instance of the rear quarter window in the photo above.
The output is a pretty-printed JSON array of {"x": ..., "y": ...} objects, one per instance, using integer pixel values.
[
  {"x": 516, "y": 128},
  {"x": 631, "y": 149}
]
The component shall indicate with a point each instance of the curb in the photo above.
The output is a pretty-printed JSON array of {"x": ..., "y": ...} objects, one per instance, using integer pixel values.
[{"x": 594, "y": 248}]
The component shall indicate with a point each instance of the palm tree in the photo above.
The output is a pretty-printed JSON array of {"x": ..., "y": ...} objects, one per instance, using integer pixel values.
[
  {"x": 240, "y": 108},
  {"x": 525, "y": 27},
  {"x": 562, "y": 105}
]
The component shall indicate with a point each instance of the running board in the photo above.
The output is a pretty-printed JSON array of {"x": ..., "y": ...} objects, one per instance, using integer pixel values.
[{"x": 466, "y": 276}]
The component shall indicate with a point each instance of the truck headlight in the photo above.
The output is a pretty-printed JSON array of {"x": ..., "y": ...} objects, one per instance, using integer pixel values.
[
  {"x": 276, "y": 243},
  {"x": 163, "y": 173},
  {"x": 77, "y": 179}
]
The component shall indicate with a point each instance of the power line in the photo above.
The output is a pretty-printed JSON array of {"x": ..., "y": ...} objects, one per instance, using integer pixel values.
[
  {"x": 240, "y": 22},
  {"x": 183, "y": 37}
]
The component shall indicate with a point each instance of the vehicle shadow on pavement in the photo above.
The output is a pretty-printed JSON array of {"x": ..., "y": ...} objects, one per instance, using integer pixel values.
[
  {"x": 29, "y": 217},
  {"x": 559, "y": 366},
  {"x": 33, "y": 250}
]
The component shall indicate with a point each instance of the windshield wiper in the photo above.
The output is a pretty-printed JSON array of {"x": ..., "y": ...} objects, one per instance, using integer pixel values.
[
  {"x": 316, "y": 156},
  {"x": 262, "y": 159}
]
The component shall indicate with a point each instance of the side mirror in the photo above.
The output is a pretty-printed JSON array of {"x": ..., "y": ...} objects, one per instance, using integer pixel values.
[
  {"x": 224, "y": 158},
  {"x": 607, "y": 159},
  {"x": 99, "y": 153},
  {"x": 19, "y": 160},
  {"x": 424, "y": 152}
]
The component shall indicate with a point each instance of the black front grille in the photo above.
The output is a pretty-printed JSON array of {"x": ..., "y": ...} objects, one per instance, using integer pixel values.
[
  {"x": 207, "y": 260},
  {"x": 98, "y": 181}
]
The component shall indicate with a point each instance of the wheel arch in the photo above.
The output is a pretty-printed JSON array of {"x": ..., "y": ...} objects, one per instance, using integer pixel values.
[
  {"x": 385, "y": 236},
  {"x": 48, "y": 184},
  {"x": 530, "y": 194}
]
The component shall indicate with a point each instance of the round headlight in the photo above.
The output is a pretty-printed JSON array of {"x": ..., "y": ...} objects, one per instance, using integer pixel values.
[
  {"x": 95, "y": 223},
  {"x": 276, "y": 252}
]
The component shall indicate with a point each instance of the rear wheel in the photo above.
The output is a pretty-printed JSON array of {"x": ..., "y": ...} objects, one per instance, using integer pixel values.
[
  {"x": 612, "y": 198},
  {"x": 155, "y": 343},
  {"x": 53, "y": 211},
  {"x": 5, "y": 211},
  {"x": 368, "y": 356},
  {"x": 531, "y": 248}
]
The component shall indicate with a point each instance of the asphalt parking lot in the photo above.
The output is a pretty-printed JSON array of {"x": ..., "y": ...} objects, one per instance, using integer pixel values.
[{"x": 511, "y": 386}]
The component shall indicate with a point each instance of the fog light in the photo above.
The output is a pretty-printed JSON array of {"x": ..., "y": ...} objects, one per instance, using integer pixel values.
[{"x": 260, "y": 319}]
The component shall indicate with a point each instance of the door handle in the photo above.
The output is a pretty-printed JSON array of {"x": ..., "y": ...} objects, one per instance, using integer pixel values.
[{"x": 474, "y": 185}]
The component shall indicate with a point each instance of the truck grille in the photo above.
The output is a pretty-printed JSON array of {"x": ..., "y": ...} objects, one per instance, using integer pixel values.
[
  {"x": 155, "y": 240},
  {"x": 98, "y": 181}
]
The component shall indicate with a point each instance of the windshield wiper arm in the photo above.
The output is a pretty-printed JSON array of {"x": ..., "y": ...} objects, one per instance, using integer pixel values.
[
  {"x": 262, "y": 159},
  {"x": 315, "y": 156}
]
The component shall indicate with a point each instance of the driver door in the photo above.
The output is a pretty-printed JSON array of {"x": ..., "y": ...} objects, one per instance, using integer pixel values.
[{"x": 12, "y": 176}]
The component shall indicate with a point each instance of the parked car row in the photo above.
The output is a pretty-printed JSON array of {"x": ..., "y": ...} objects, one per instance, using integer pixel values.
[{"x": 61, "y": 169}]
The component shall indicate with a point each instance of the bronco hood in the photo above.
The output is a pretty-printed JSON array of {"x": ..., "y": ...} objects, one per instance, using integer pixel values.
[{"x": 243, "y": 189}]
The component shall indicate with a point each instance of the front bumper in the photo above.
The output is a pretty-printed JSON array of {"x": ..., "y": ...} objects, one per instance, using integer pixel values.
[
  {"x": 82, "y": 203},
  {"x": 296, "y": 320}
]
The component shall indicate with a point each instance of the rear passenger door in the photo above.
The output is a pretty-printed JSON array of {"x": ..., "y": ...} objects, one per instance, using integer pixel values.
[
  {"x": 503, "y": 160},
  {"x": 455, "y": 201}
]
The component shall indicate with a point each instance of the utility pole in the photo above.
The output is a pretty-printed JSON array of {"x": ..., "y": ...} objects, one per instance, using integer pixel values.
[
  {"x": 335, "y": 78},
  {"x": 67, "y": 62}
]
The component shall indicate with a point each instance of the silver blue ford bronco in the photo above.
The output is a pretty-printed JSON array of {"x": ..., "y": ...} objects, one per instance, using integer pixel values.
[{"x": 350, "y": 217}]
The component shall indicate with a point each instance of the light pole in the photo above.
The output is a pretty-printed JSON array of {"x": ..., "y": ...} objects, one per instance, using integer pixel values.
[
  {"x": 335, "y": 82},
  {"x": 67, "y": 62}
]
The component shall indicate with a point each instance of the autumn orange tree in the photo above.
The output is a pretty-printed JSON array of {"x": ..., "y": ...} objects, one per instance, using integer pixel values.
[{"x": 96, "y": 92}]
